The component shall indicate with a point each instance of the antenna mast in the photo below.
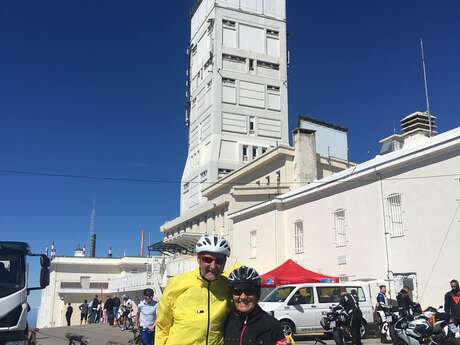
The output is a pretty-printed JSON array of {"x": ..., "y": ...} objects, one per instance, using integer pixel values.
[{"x": 426, "y": 87}]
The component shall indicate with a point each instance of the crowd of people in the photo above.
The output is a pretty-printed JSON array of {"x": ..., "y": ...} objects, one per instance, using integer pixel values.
[{"x": 206, "y": 307}]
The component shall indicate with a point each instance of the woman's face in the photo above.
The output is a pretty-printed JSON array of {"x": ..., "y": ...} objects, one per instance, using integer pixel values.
[{"x": 245, "y": 298}]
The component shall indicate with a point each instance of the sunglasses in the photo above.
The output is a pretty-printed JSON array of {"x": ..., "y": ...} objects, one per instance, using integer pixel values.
[
  {"x": 248, "y": 291},
  {"x": 211, "y": 259}
]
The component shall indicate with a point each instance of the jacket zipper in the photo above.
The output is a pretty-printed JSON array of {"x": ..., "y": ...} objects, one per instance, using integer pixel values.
[
  {"x": 243, "y": 330},
  {"x": 209, "y": 311}
]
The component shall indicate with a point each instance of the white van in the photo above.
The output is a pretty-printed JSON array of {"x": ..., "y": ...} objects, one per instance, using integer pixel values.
[{"x": 300, "y": 307}]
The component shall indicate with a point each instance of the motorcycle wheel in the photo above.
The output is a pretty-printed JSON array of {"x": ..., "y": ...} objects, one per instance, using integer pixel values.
[{"x": 339, "y": 338}]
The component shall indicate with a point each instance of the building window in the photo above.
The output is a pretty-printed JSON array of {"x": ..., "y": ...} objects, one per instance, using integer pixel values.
[
  {"x": 340, "y": 228},
  {"x": 252, "y": 124},
  {"x": 245, "y": 153},
  {"x": 253, "y": 244},
  {"x": 254, "y": 152},
  {"x": 264, "y": 149},
  {"x": 394, "y": 215},
  {"x": 251, "y": 64},
  {"x": 298, "y": 237},
  {"x": 229, "y": 90}
]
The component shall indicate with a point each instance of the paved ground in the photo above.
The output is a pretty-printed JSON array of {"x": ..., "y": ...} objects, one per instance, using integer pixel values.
[
  {"x": 96, "y": 334},
  {"x": 106, "y": 335}
]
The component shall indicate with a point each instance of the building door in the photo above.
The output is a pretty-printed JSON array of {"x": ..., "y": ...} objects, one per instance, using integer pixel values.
[{"x": 406, "y": 279}]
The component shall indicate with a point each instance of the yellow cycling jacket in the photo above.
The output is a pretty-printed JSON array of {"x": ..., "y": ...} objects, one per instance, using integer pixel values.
[{"x": 192, "y": 311}]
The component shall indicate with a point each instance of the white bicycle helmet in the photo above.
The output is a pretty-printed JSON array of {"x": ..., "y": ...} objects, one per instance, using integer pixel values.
[{"x": 213, "y": 244}]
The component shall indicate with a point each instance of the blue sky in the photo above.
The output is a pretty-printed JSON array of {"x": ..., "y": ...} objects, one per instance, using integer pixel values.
[{"x": 97, "y": 88}]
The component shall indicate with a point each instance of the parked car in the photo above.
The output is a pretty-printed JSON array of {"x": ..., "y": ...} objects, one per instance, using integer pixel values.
[{"x": 300, "y": 307}]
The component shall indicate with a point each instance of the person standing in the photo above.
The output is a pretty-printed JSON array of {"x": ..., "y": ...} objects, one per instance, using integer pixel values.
[
  {"x": 108, "y": 307},
  {"x": 194, "y": 306},
  {"x": 405, "y": 302},
  {"x": 351, "y": 306},
  {"x": 146, "y": 317},
  {"x": 452, "y": 303},
  {"x": 95, "y": 309},
  {"x": 68, "y": 314},
  {"x": 248, "y": 324},
  {"x": 84, "y": 312},
  {"x": 116, "y": 305},
  {"x": 381, "y": 309}
]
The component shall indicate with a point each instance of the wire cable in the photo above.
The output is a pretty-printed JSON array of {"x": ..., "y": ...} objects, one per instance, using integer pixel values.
[{"x": 165, "y": 181}]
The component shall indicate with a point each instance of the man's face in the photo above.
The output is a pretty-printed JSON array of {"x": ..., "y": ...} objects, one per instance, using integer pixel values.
[
  {"x": 245, "y": 298},
  {"x": 454, "y": 285},
  {"x": 211, "y": 265},
  {"x": 148, "y": 299},
  {"x": 383, "y": 289}
]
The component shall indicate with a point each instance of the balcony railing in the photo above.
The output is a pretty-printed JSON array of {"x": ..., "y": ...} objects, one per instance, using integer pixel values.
[{"x": 131, "y": 281}]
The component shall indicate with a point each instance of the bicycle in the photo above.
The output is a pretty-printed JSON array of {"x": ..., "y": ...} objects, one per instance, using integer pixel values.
[
  {"x": 125, "y": 321},
  {"x": 136, "y": 340}
]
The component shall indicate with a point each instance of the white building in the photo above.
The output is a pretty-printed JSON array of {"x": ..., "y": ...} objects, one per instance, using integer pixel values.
[
  {"x": 395, "y": 217},
  {"x": 74, "y": 279},
  {"x": 237, "y": 89},
  {"x": 277, "y": 171}
]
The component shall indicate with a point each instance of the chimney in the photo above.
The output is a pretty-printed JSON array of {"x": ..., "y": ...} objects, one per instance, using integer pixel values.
[
  {"x": 418, "y": 127},
  {"x": 92, "y": 245},
  {"x": 305, "y": 157}
]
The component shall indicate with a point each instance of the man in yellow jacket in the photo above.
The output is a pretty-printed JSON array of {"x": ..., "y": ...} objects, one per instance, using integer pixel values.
[{"x": 195, "y": 305}]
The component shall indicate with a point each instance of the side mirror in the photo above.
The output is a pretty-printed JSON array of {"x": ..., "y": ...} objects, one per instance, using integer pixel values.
[
  {"x": 45, "y": 261},
  {"x": 44, "y": 277}
]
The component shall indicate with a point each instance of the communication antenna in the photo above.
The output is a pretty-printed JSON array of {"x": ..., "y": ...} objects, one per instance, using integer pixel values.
[{"x": 426, "y": 87}]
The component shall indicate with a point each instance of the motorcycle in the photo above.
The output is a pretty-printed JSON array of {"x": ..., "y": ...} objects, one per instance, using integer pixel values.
[
  {"x": 337, "y": 322},
  {"x": 421, "y": 330},
  {"x": 387, "y": 317}
]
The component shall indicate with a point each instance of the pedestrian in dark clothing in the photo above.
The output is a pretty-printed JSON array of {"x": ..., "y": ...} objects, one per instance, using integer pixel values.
[
  {"x": 68, "y": 314},
  {"x": 116, "y": 305},
  {"x": 452, "y": 303},
  {"x": 108, "y": 307},
  {"x": 95, "y": 309},
  {"x": 84, "y": 308},
  {"x": 405, "y": 302},
  {"x": 350, "y": 304}
]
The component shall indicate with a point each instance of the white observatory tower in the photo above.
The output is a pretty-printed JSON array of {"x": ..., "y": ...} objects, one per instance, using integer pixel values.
[{"x": 237, "y": 105}]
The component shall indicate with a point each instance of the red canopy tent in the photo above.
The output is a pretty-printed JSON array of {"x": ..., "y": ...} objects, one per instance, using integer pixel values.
[{"x": 292, "y": 273}]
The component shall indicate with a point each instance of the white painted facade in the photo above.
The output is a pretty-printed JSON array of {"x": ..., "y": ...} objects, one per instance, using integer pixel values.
[
  {"x": 237, "y": 89},
  {"x": 276, "y": 172},
  {"x": 74, "y": 279},
  {"x": 394, "y": 217}
]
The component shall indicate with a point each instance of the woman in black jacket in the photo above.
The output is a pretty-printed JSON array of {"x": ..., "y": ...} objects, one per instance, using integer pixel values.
[{"x": 248, "y": 323}]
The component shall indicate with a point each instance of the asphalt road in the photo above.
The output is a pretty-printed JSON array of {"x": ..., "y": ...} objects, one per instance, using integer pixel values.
[{"x": 106, "y": 335}]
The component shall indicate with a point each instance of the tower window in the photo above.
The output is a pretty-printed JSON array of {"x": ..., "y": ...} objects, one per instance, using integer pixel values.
[
  {"x": 252, "y": 124},
  {"x": 272, "y": 33},
  {"x": 251, "y": 64}
]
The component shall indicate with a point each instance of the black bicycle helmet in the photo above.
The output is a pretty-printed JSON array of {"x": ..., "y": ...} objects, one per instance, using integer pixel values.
[{"x": 244, "y": 276}]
